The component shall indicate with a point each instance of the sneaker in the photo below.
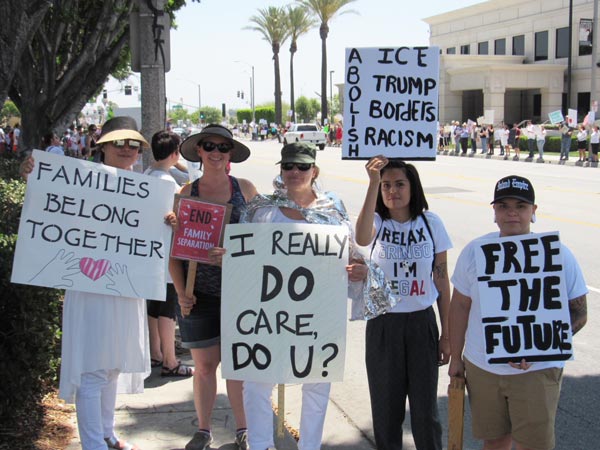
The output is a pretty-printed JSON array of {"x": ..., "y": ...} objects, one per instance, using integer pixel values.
[
  {"x": 241, "y": 440},
  {"x": 540, "y": 160},
  {"x": 515, "y": 158},
  {"x": 200, "y": 441}
]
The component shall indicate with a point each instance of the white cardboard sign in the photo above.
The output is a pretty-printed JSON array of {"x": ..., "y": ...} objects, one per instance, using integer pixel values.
[
  {"x": 391, "y": 102},
  {"x": 284, "y": 300},
  {"x": 93, "y": 228},
  {"x": 524, "y": 305}
]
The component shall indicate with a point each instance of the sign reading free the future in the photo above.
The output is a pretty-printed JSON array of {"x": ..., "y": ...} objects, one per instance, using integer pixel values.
[
  {"x": 391, "y": 102},
  {"x": 524, "y": 305},
  {"x": 93, "y": 228},
  {"x": 284, "y": 300}
]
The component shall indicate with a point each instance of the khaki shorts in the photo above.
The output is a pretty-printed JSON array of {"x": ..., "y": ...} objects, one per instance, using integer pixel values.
[{"x": 523, "y": 405}]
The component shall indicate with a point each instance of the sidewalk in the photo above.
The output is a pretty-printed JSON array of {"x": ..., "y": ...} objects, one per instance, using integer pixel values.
[{"x": 549, "y": 158}]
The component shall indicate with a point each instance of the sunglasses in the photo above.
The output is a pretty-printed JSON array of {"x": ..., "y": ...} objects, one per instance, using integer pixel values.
[
  {"x": 120, "y": 143},
  {"x": 223, "y": 147},
  {"x": 303, "y": 167}
]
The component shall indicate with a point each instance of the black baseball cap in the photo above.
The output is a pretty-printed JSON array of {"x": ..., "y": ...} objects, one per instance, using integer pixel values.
[{"x": 514, "y": 186}]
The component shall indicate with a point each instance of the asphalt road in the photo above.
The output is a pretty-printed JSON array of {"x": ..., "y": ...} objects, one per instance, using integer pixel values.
[{"x": 460, "y": 191}]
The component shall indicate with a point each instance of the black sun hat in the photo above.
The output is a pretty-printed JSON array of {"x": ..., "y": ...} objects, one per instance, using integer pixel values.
[{"x": 189, "y": 149}]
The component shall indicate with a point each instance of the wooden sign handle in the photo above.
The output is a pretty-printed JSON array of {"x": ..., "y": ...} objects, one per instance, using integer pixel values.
[
  {"x": 190, "y": 281},
  {"x": 456, "y": 412},
  {"x": 280, "y": 410}
]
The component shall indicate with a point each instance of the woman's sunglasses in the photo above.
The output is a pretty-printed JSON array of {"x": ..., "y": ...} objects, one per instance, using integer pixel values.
[
  {"x": 223, "y": 147},
  {"x": 120, "y": 143},
  {"x": 303, "y": 167}
]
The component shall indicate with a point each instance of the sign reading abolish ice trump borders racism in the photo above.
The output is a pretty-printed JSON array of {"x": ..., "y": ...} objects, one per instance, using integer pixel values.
[
  {"x": 391, "y": 102},
  {"x": 524, "y": 305},
  {"x": 93, "y": 228},
  {"x": 284, "y": 302},
  {"x": 200, "y": 228}
]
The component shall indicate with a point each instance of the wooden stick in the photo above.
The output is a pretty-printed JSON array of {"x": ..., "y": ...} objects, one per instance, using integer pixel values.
[
  {"x": 190, "y": 282},
  {"x": 280, "y": 410},
  {"x": 456, "y": 412}
]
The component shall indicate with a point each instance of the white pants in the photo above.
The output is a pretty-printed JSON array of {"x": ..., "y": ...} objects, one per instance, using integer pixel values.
[
  {"x": 95, "y": 402},
  {"x": 259, "y": 414}
]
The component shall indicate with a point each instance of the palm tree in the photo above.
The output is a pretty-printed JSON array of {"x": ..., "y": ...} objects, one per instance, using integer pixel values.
[
  {"x": 299, "y": 22},
  {"x": 325, "y": 10},
  {"x": 272, "y": 22}
]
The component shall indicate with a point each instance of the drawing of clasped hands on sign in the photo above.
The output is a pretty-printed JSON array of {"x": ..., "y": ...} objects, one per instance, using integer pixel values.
[{"x": 61, "y": 271}]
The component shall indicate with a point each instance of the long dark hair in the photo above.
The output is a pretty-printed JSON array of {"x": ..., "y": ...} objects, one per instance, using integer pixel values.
[{"x": 418, "y": 202}]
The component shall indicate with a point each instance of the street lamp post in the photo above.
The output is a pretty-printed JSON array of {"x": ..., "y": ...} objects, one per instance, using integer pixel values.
[
  {"x": 251, "y": 89},
  {"x": 330, "y": 92}
]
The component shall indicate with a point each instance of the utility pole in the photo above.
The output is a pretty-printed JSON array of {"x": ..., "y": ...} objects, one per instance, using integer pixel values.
[{"x": 150, "y": 55}]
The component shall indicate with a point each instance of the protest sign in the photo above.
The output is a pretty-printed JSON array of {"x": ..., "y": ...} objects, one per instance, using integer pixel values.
[
  {"x": 93, "y": 228},
  {"x": 391, "y": 102},
  {"x": 572, "y": 118},
  {"x": 523, "y": 296},
  {"x": 284, "y": 302},
  {"x": 200, "y": 228},
  {"x": 556, "y": 117}
]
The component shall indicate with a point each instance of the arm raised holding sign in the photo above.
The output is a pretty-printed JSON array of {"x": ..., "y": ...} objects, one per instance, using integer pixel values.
[
  {"x": 403, "y": 347},
  {"x": 508, "y": 299}
]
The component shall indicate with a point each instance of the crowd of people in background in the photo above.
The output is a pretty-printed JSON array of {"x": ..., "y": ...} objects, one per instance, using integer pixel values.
[{"x": 456, "y": 138}]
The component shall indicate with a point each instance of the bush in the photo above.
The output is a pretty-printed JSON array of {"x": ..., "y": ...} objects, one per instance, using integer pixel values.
[
  {"x": 30, "y": 334},
  {"x": 552, "y": 144}
]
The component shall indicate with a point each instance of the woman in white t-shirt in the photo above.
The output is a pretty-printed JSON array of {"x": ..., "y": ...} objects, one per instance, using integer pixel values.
[{"x": 403, "y": 347}]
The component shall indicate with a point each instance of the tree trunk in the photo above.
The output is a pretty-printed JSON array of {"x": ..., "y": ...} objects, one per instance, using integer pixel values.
[
  {"x": 66, "y": 63},
  {"x": 324, "y": 31},
  {"x": 20, "y": 20},
  {"x": 277, "y": 84},
  {"x": 292, "y": 105}
]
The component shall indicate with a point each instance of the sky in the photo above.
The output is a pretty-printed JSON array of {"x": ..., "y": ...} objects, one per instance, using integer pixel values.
[{"x": 211, "y": 36}]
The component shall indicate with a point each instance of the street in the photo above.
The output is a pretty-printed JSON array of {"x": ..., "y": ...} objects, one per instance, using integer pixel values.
[{"x": 459, "y": 190}]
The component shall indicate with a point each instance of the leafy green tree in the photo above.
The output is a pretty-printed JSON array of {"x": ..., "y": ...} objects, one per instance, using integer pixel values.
[
  {"x": 272, "y": 23},
  {"x": 300, "y": 22},
  {"x": 207, "y": 114},
  {"x": 176, "y": 114},
  {"x": 325, "y": 10},
  {"x": 9, "y": 110},
  {"x": 306, "y": 109}
]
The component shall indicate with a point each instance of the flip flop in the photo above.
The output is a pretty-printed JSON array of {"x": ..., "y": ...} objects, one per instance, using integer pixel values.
[
  {"x": 155, "y": 363},
  {"x": 181, "y": 371}
]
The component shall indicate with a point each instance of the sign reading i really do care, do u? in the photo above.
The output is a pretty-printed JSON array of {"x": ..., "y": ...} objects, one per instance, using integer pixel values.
[
  {"x": 284, "y": 300},
  {"x": 391, "y": 102}
]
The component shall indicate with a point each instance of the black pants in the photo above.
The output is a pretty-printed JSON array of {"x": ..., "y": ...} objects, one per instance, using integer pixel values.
[{"x": 402, "y": 361}]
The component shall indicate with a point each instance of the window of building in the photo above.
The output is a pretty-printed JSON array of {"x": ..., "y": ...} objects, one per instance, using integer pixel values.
[
  {"x": 482, "y": 48},
  {"x": 451, "y": 51},
  {"x": 585, "y": 37},
  {"x": 518, "y": 45},
  {"x": 541, "y": 46},
  {"x": 464, "y": 49},
  {"x": 562, "y": 42},
  {"x": 583, "y": 105},
  {"x": 537, "y": 105},
  {"x": 500, "y": 47}
]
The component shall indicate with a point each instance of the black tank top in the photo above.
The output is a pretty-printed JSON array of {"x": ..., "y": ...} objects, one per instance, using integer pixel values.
[{"x": 208, "y": 277}]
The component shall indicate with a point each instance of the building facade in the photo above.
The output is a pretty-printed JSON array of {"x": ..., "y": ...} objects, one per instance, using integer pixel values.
[{"x": 512, "y": 57}]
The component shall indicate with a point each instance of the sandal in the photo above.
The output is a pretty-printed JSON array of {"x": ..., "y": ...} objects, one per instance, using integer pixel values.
[
  {"x": 180, "y": 371},
  {"x": 116, "y": 444},
  {"x": 155, "y": 363}
]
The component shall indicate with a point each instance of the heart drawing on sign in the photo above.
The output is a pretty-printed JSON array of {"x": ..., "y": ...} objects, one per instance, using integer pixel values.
[{"x": 94, "y": 269}]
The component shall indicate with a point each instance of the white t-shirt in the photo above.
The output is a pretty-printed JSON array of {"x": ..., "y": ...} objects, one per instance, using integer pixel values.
[
  {"x": 465, "y": 282},
  {"x": 404, "y": 251},
  {"x": 161, "y": 174}
]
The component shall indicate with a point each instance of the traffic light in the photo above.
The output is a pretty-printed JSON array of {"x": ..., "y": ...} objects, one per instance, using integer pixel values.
[
  {"x": 104, "y": 93},
  {"x": 223, "y": 109},
  {"x": 127, "y": 90},
  {"x": 242, "y": 95},
  {"x": 238, "y": 94}
]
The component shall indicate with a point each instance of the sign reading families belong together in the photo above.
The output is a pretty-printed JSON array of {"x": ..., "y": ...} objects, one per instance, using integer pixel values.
[
  {"x": 93, "y": 228},
  {"x": 283, "y": 319},
  {"x": 524, "y": 304},
  {"x": 391, "y": 102}
]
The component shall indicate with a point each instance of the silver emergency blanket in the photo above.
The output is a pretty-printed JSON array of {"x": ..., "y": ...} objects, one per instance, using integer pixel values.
[{"x": 374, "y": 297}]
